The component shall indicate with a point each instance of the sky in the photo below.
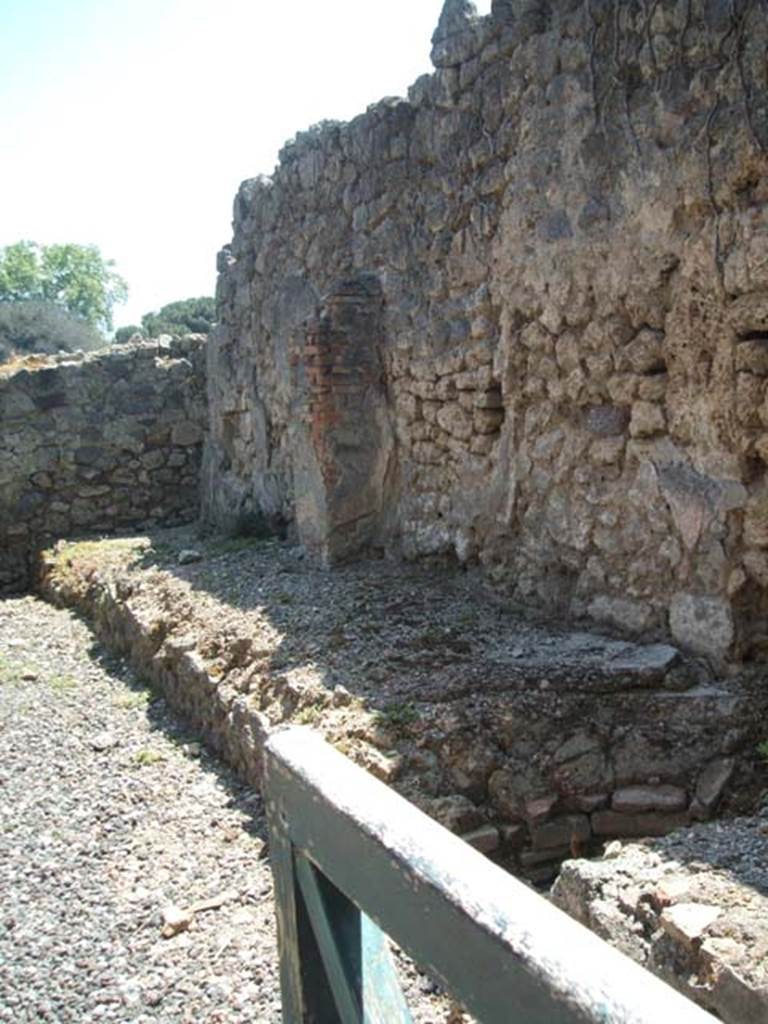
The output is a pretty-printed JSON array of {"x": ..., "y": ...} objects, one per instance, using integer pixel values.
[{"x": 129, "y": 124}]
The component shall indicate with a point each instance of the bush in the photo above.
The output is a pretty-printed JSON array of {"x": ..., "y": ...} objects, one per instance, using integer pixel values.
[
  {"x": 189, "y": 316},
  {"x": 36, "y": 326},
  {"x": 124, "y": 334}
]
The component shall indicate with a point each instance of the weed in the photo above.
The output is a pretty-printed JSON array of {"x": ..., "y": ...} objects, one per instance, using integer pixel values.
[
  {"x": 157, "y": 552},
  {"x": 310, "y": 714},
  {"x": 146, "y": 756},
  {"x": 73, "y": 559},
  {"x": 285, "y": 598},
  {"x": 233, "y": 545},
  {"x": 132, "y": 700},
  {"x": 431, "y": 638},
  {"x": 762, "y": 751},
  {"x": 62, "y": 684},
  {"x": 396, "y": 716},
  {"x": 467, "y": 619}
]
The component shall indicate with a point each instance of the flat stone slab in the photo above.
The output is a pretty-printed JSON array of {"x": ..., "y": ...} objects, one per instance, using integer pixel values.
[
  {"x": 688, "y": 922},
  {"x": 632, "y": 799},
  {"x": 591, "y": 662}
]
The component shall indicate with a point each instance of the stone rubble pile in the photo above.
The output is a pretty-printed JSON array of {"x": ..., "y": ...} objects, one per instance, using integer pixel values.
[{"x": 692, "y": 907}]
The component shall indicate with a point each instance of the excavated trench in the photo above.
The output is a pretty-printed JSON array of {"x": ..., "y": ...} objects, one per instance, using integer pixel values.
[{"x": 538, "y": 745}]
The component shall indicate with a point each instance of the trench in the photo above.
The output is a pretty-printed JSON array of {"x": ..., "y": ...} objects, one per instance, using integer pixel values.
[{"x": 539, "y": 746}]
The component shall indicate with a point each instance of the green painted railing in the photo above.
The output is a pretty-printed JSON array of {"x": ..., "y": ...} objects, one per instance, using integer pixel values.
[{"x": 352, "y": 860}]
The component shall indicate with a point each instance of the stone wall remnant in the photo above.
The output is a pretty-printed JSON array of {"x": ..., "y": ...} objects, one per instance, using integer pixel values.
[
  {"x": 98, "y": 442},
  {"x": 568, "y": 223}
]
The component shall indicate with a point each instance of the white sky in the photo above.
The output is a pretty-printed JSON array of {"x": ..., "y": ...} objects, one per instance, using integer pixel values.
[{"x": 130, "y": 123}]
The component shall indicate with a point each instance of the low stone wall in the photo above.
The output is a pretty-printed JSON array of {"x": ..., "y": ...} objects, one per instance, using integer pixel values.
[{"x": 96, "y": 442}]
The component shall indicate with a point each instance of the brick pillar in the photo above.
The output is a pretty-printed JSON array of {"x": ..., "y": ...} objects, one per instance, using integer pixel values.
[{"x": 345, "y": 442}]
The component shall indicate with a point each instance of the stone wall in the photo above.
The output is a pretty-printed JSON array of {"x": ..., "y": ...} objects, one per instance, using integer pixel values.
[
  {"x": 96, "y": 442},
  {"x": 568, "y": 227}
]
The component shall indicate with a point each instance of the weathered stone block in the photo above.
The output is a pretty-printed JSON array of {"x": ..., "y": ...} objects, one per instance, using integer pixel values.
[
  {"x": 634, "y": 799},
  {"x": 711, "y": 785},
  {"x": 186, "y": 433},
  {"x": 653, "y": 823},
  {"x": 702, "y": 624},
  {"x": 564, "y": 830},
  {"x": 485, "y": 839},
  {"x": 488, "y": 421},
  {"x": 647, "y": 419},
  {"x": 455, "y": 421}
]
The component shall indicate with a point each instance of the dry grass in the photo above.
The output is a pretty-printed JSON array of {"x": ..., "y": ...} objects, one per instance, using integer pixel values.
[{"x": 22, "y": 362}]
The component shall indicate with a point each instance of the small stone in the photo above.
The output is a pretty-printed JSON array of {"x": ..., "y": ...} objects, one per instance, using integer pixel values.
[
  {"x": 712, "y": 782},
  {"x": 647, "y": 419},
  {"x": 186, "y": 433},
  {"x": 484, "y": 839},
  {"x": 341, "y": 696},
  {"x": 189, "y": 555},
  {"x": 537, "y": 810},
  {"x": 589, "y": 802},
  {"x": 455, "y": 812},
  {"x": 514, "y": 836},
  {"x": 582, "y": 742},
  {"x": 528, "y": 858},
  {"x": 175, "y": 920},
  {"x": 703, "y": 625},
  {"x": 103, "y": 741},
  {"x": 154, "y": 996},
  {"x": 687, "y": 922}
]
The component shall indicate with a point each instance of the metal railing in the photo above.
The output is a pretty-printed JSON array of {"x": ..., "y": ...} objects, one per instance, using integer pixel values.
[{"x": 352, "y": 860}]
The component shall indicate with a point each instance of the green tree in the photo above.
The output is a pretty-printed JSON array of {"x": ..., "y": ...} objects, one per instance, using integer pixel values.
[
  {"x": 19, "y": 272},
  {"x": 188, "y": 316},
  {"x": 73, "y": 277}
]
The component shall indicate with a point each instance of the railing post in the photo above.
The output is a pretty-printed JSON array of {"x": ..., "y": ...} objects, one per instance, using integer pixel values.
[
  {"x": 335, "y": 963},
  {"x": 306, "y": 996}
]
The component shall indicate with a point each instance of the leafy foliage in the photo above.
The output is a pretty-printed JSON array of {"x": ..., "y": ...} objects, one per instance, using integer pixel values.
[
  {"x": 35, "y": 326},
  {"x": 124, "y": 334},
  {"x": 75, "y": 278},
  {"x": 188, "y": 316}
]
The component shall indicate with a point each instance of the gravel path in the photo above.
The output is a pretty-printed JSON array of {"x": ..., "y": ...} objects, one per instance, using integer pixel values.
[{"x": 111, "y": 812}]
